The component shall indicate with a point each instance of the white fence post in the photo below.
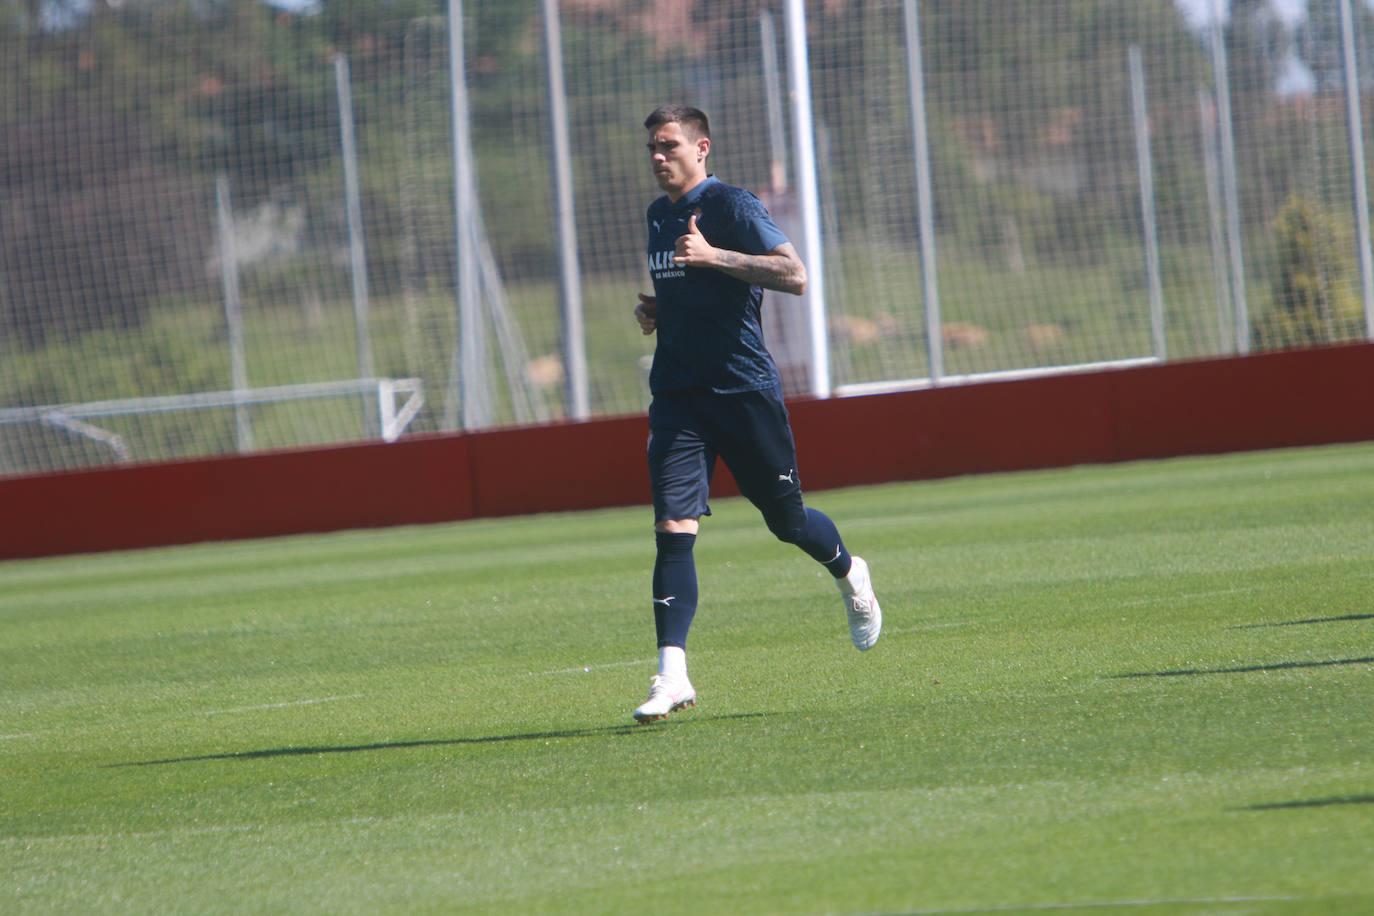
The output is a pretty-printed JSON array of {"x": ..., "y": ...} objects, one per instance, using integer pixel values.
[
  {"x": 468, "y": 365},
  {"x": 1141, "y": 115},
  {"x": 357, "y": 250},
  {"x": 1360, "y": 192},
  {"x": 1220, "y": 70},
  {"x": 233, "y": 309},
  {"x": 804, "y": 141},
  {"x": 925, "y": 207},
  {"x": 569, "y": 271}
]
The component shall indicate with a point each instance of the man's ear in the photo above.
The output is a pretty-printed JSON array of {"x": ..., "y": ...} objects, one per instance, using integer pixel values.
[{"x": 703, "y": 149}]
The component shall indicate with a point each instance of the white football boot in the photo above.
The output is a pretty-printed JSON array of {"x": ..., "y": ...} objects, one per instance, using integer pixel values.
[
  {"x": 665, "y": 695},
  {"x": 861, "y": 605}
]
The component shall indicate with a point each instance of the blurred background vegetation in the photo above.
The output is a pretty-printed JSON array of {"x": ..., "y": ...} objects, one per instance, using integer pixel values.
[{"x": 116, "y": 119}]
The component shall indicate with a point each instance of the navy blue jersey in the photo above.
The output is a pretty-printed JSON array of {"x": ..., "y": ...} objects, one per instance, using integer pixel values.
[{"x": 709, "y": 332}]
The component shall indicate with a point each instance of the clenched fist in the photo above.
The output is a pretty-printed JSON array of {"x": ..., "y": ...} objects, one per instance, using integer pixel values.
[{"x": 646, "y": 313}]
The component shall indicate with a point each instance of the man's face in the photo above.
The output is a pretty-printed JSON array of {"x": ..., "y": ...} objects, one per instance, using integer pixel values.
[{"x": 679, "y": 161}]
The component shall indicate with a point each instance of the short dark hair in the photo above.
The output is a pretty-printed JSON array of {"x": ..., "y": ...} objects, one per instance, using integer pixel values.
[{"x": 693, "y": 120}]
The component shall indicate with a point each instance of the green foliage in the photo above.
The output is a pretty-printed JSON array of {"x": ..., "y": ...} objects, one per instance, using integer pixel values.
[
  {"x": 92, "y": 237},
  {"x": 1313, "y": 300},
  {"x": 1135, "y": 689},
  {"x": 1015, "y": 224}
]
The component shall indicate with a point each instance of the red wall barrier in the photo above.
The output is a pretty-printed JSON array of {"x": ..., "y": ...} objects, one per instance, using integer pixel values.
[
  {"x": 1271, "y": 400},
  {"x": 567, "y": 466},
  {"x": 1305, "y": 397},
  {"x": 423, "y": 480}
]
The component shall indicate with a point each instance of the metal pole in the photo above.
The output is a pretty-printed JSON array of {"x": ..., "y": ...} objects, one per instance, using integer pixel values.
[
  {"x": 233, "y": 310},
  {"x": 1216, "y": 226},
  {"x": 569, "y": 280},
  {"x": 468, "y": 363},
  {"x": 1140, "y": 113},
  {"x": 804, "y": 141},
  {"x": 357, "y": 252},
  {"x": 925, "y": 210},
  {"x": 772, "y": 90},
  {"x": 1360, "y": 192},
  {"x": 1240, "y": 316}
]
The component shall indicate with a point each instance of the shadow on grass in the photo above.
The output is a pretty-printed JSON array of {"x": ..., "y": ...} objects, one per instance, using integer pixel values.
[
  {"x": 438, "y": 742},
  {"x": 1300, "y": 623},
  {"x": 1276, "y": 666},
  {"x": 1312, "y": 803}
]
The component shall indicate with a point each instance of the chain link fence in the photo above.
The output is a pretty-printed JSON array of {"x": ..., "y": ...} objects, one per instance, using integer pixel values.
[{"x": 234, "y": 226}]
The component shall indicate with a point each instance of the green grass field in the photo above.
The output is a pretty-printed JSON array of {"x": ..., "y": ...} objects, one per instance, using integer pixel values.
[{"x": 1144, "y": 688}]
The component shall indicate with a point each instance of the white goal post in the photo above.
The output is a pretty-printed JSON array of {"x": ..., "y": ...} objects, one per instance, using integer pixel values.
[{"x": 398, "y": 403}]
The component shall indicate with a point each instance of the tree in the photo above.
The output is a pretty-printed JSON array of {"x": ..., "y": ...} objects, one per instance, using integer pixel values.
[
  {"x": 93, "y": 237},
  {"x": 1313, "y": 300}
]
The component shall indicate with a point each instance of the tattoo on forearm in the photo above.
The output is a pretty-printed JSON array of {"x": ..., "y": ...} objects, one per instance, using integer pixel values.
[{"x": 782, "y": 271}]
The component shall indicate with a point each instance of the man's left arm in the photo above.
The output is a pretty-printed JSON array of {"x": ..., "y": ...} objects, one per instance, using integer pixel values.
[{"x": 780, "y": 269}]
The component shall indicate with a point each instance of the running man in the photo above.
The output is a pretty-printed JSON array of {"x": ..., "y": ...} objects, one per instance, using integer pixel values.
[{"x": 712, "y": 251}]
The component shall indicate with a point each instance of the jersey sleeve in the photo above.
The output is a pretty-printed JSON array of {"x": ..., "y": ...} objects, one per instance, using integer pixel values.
[{"x": 755, "y": 231}]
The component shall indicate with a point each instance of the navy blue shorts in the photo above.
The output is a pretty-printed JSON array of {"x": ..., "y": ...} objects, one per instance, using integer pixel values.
[{"x": 749, "y": 431}]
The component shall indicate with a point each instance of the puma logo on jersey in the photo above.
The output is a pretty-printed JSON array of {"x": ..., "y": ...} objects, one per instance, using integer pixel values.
[{"x": 788, "y": 476}]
